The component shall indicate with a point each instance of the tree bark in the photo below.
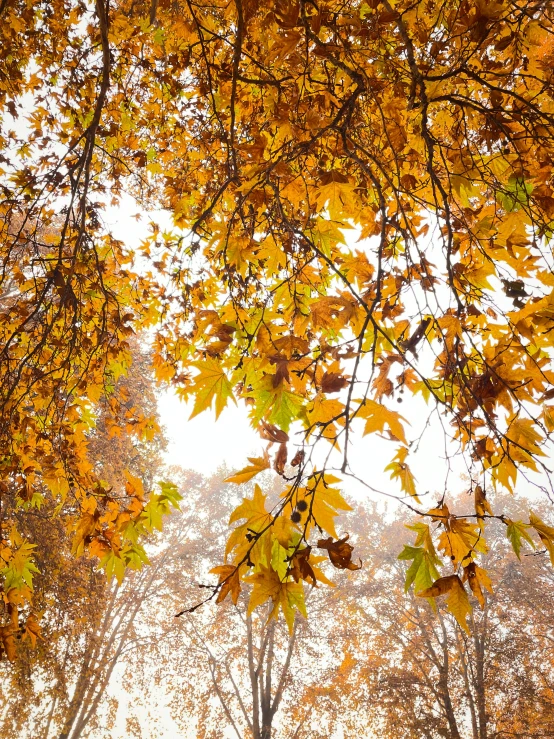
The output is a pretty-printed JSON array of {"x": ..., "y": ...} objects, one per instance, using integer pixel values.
[{"x": 480, "y": 690}]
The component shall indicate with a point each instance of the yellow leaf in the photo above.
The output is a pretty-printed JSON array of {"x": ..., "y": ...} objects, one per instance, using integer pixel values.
[
  {"x": 546, "y": 534},
  {"x": 378, "y": 416},
  {"x": 289, "y": 596},
  {"x": 327, "y": 502},
  {"x": 400, "y": 471},
  {"x": 481, "y": 505},
  {"x": 253, "y": 509},
  {"x": 461, "y": 540},
  {"x": 457, "y": 602},
  {"x": 477, "y": 579},
  {"x": 257, "y": 465},
  {"x": 229, "y": 581},
  {"x": 211, "y": 383}
]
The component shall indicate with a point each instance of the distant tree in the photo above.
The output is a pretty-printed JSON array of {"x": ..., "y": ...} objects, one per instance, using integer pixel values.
[{"x": 411, "y": 671}]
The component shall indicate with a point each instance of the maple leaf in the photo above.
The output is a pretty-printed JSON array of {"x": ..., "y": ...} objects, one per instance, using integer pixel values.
[
  {"x": 32, "y": 629},
  {"x": 377, "y": 416},
  {"x": 481, "y": 505},
  {"x": 527, "y": 439},
  {"x": 325, "y": 412},
  {"x": 325, "y": 504},
  {"x": 334, "y": 193},
  {"x": 21, "y": 568},
  {"x": 277, "y": 406},
  {"x": 546, "y": 534},
  {"x": 401, "y": 471},
  {"x": 333, "y": 382},
  {"x": 211, "y": 384},
  {"x": 7, "y": 639},
  {"x": 257, "y": 520},
  {"x": 515, "y": 532},
  {"x": 301, "y": 568},
  {"x": 280, "y": 459},
  {"x": 461, "y": 540},
  {"x": 423, "y": 570},
  {"x": 229, "y": 580},
  {"x": 457, "y": 602},
  {"x": 287, "y": 596},
  {"x": 340, "y": 553},
  {"x": 257, "y": 465},
  {"x": 114, "y": 565},
  {"x": 478, "y": 579},
  {"x": 253, "y": 509}
]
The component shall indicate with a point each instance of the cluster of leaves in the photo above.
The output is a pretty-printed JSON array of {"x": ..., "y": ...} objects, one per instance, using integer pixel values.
[
  {"x": 268, "y": 131},
  {"x": 271, "y": 546}
]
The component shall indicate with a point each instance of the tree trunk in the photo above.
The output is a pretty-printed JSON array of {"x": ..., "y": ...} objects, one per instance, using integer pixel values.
[
  {"x": 77, "y": 698},
  {"x": 444, "y": 687},
  {"x": 464, "y": 656},
  {"x": 479, "y": 641}
]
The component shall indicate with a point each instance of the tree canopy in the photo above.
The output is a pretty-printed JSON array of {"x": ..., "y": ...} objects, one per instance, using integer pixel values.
[{"x": 362, "y": 200}]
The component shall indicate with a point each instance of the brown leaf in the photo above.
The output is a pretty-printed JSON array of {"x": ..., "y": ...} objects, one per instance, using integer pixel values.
[
  {"x": 281, "y": 370},
  {"x": 32, "y": 629},
  {"x": 300, "y": 568},
  {"x": 419, "y": 333},
  {"x": 272, "y": 433},
  {"x": 286, "y": 13},
  {"x": 298, "y": 458},
  {"x": 388, "y": 16},
  {"x": 7, "y": 636},
  {"x": 439, "y": 587},
  {"x": 340, "y": 553},
  {"x": 280, "y": 459},
  {"x": 332, "y": 382},
  {"x": 477, "y": 578}
]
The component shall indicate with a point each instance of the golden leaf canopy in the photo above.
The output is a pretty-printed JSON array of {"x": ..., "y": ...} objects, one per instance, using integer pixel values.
[{"x": 277, "y": 134}]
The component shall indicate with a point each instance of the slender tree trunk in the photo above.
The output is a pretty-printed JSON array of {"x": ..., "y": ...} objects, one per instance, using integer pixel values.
[
  {"x": 254, "y": 677},
  {"x": 480, "y": 690},
  {"x": 463, "y": 656},
  {"x": 265, "y": 684},
  {"x": 78, "y": 693},
  {"x": 444, "y": 687}
]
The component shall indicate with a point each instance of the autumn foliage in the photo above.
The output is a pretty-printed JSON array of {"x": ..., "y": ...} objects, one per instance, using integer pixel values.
[{"x": 362, "y": 201}]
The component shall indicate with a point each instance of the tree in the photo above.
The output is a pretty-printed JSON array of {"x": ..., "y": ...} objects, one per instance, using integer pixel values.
[
  {"x": 268, "y": 131},
  {"x": 225, "y": 669},
  {"x": 411, "y": 671},
  {"x": 85, "y": 623}
]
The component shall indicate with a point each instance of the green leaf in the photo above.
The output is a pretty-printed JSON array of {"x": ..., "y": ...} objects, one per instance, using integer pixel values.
[
  {"x": 170, "y": 493},
  {"x": 277, "y": 405},
  {"x": 423, "y": 571},
  {"x": 516, "y": 531},
  {"x": 113, "y": 565}
]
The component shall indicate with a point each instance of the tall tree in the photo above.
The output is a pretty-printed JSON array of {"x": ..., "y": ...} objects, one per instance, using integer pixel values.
[
  {"x": 85, "y": 622},
  {"x": 268, "y": 130}
]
